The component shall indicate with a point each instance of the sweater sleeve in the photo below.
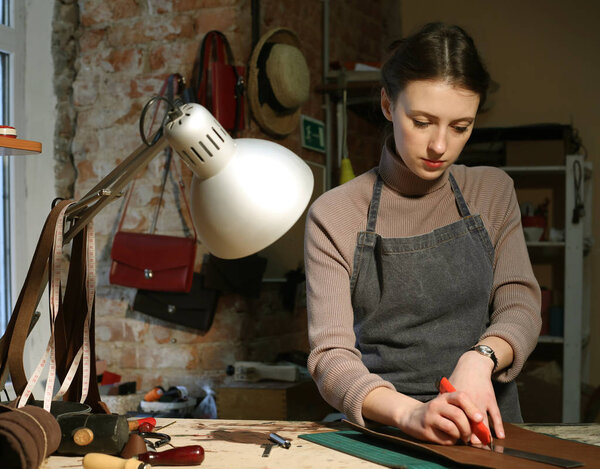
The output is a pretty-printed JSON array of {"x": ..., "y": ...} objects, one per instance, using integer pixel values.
[
  {"x": 516, "y": 298},
  {"x": 334, "y": 361}
]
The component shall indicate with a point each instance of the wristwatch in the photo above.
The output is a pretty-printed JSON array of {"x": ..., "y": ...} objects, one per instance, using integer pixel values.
[{"x": 487, "y": 352}]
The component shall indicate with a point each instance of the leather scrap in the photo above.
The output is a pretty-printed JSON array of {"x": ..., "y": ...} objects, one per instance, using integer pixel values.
[{"x": 27, "y": 436}]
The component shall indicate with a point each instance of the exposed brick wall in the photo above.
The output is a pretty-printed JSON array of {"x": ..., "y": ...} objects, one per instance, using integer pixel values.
[{"x": 125, "y": 50}]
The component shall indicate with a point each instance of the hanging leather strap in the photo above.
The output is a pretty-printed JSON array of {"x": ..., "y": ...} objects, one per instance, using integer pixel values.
[
  {"x": 70, "y": 319},
  {"x": 12, "y": 343},
  {"x": 70, "y": 326}
]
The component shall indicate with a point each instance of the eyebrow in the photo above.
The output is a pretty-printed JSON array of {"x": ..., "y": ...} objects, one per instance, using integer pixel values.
[{"x": 469, "y": 119}]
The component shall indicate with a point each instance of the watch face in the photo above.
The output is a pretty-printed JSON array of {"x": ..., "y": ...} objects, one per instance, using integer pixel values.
[{"x": 488, "y": 352}]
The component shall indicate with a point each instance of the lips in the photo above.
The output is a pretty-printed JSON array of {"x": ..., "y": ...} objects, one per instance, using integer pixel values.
[{"x": 433, "y": 164}]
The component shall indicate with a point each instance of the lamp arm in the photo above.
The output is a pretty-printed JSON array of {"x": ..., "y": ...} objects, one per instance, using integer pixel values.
[{"x": 110, "y": 187}]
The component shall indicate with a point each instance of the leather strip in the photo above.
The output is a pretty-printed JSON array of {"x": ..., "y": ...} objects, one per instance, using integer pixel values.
[
  {"x": 516, "y": 437},
  {"x": 11, "y": 351},
  {"x": 75, "y": 301}
]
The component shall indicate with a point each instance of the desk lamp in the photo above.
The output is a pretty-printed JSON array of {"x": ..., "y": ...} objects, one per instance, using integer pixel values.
[{"x": 245, "y": 192}]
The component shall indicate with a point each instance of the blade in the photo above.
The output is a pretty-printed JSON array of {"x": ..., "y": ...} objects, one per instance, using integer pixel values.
[{"x": 534, "y": 456}]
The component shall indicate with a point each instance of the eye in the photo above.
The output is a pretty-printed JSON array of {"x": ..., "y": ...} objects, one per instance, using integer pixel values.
[
  {"x": 460, "y": 129},
  {"x": 420, "y": 124}
]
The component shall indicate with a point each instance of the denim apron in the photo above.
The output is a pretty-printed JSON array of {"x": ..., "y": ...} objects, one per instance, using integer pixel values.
[{"x": 420, "y": 302}]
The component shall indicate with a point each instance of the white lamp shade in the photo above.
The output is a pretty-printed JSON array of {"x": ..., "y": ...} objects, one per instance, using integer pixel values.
[{"x": 246, "y": 193}]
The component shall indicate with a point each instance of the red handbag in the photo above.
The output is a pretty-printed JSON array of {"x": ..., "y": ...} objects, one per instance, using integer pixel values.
[
  {"x": 149, "y": 261},
  {"x": 218, "y": 84},
  {"x": 153, "y": 262}
]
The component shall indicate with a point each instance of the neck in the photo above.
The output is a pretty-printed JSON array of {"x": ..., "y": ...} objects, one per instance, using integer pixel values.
[{"x": 400, "y": 178}]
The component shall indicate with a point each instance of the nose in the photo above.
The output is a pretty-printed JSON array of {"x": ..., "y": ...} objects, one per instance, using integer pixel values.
[{"x": 438, "y": 142}]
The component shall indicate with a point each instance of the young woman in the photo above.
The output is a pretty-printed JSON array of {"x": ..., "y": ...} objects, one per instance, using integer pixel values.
[{"x": 418, "y": 269}]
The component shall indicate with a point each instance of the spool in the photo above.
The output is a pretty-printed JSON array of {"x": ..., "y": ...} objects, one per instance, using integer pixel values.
[{"x": 8, "y": 131}]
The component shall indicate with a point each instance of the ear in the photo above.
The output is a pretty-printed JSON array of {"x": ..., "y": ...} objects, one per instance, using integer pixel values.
[{"x": 386, "y": 105}]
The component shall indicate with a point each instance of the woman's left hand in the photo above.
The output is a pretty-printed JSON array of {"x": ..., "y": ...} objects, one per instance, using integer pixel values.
[{"x": 473, "y": 375}]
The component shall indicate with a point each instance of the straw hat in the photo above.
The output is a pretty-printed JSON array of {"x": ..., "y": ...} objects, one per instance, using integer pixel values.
[{"x": 278, "y": 82}]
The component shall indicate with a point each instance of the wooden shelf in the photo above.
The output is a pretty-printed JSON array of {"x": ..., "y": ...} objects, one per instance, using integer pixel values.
[
  {"x": 550, "y": 339},
  {"x": 16, "y": 146}
]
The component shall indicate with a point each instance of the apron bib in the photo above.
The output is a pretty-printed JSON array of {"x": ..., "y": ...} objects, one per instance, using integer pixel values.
[{"x": 420, "y": 302}]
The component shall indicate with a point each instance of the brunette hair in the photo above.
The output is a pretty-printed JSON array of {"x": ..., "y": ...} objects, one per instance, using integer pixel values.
[{"x": 436, "y": 51}]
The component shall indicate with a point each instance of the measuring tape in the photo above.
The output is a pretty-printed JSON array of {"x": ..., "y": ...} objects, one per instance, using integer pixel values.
[{"x": 84, "y": 352}]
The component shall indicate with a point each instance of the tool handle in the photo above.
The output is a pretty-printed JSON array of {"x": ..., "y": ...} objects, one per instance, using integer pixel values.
[
  {"x": 135, "y": 424},
  {"x": 104, "y": 461},
  {"x": 191, "y": 455},
  {"x": 481, "y": 431}
]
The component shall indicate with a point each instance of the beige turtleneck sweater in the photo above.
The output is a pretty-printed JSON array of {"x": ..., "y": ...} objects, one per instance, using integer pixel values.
[{"x": 409, "y": 206}]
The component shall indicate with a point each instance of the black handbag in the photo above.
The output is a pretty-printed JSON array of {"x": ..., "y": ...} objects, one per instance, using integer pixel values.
[{"x": 195, "y": 309}]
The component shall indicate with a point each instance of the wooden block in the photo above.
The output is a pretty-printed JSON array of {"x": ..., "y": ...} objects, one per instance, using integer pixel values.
[{"x": 272, "y": 400}]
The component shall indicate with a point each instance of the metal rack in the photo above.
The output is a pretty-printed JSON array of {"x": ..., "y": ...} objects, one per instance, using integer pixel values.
[{"x": 576, "y": 291}]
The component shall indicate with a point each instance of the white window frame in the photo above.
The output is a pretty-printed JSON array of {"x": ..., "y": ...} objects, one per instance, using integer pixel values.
[
  {"x": 12, "y": 41},
  {"x": 32, "y": 190}
]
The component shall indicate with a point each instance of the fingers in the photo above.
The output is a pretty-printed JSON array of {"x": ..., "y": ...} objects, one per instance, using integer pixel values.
[
  {"x": 451, "y": 419},
  {"x": 462, "y": 400},
  {"x": 497, "y": 422}
]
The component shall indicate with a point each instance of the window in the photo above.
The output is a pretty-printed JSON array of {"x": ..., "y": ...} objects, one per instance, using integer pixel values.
[
  {"x": 11, "y": 26},
  {"x": 5, "y": 12},
  {"x": 5, "y": 284}
]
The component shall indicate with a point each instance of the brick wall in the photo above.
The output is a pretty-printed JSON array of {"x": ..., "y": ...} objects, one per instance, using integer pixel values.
[{"x": 125, "y": 50}]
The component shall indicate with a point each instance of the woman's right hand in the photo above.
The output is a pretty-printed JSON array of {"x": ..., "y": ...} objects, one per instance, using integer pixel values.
[{"x": 443, "y": 420}]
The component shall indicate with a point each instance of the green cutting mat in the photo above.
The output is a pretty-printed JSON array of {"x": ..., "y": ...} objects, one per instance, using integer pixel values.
[{"x": 380, "y": 452}]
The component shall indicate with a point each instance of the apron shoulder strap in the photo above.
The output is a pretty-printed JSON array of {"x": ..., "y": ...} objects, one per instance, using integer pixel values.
[{"x": 374, "y": 205}]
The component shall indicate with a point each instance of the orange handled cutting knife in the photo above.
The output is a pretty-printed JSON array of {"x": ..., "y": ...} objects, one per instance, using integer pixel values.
[
  {"x": 485, "y": 436},
  {"x": 481, "y": 431}
]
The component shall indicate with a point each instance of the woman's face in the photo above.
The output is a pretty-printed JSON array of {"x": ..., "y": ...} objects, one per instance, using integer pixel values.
[{"x": 432, "y": 121}]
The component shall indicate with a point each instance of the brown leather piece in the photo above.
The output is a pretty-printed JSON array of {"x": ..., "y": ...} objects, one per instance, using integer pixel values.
[
  {"x": 516, "y": 438},
  {"x": 69, "y": 327},
  {"x": 135, "y": 445}
]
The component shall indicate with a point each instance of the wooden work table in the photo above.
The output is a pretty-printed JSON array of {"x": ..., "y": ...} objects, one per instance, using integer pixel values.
[{"x": 237, "y": 444}]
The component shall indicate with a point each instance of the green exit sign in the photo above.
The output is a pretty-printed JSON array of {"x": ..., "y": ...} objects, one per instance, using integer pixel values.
[{"x": 312, "y": 133}]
